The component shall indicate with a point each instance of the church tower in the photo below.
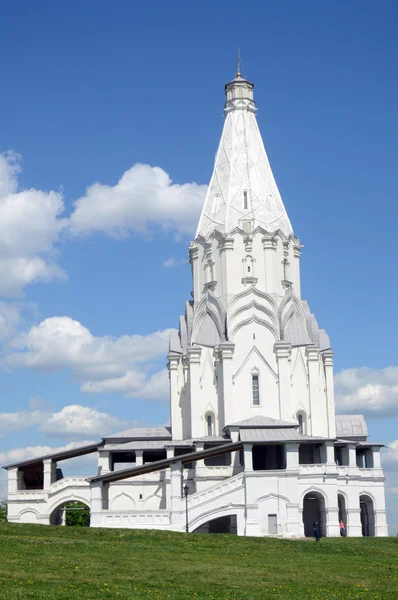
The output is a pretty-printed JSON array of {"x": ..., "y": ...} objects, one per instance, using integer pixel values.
[{"x": 248, "y": 345}]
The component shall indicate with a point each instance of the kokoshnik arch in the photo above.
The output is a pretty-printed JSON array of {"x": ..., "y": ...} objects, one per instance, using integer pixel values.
[{"x": 254, "y": 439}]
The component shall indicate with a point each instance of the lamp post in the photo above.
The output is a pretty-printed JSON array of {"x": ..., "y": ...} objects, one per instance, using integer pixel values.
[{"x": 186, "y": 492}]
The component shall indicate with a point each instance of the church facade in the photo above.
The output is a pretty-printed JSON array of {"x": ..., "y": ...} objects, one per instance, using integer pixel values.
[{"x": 255, "y": 446}]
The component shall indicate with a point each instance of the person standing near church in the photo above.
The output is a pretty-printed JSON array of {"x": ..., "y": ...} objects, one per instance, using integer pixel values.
[
  {"x": 317, "y": 531},
  {"x": 342, "y": 529}
]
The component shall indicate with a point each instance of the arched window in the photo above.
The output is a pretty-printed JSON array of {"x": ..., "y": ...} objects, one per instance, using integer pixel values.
[
  {"x": 245, "y": 203},
  {"x": 209, "y": 424},
  {"x": 255, "y": 389},
  {"x": 301, "y": 420}
]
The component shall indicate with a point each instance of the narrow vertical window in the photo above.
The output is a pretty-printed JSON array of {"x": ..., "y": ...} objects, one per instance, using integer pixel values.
[
  {"x": 245, "y": 200},
  {"x": 255, "y": 390},
  {"x": 300, "y": 422},
  {"x": 209, "y": 425}
]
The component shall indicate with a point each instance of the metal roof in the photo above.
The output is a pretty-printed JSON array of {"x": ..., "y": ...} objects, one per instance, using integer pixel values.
[
  {"x": 72, "y": 453},
  {"x": 138, "y": 445},
  {"x": 351, "y": 426},
  {"x": 141, "y": 433},
  {"x": 276, "y": 435},
  {"x": 260, "y": 421}
]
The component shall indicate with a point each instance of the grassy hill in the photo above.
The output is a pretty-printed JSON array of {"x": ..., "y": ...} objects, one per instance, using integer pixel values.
[{"x": 50, "y": 563}]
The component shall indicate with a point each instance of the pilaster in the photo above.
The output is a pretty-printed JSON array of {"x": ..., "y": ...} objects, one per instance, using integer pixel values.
[
  {"x": 248, "y": 456},
  {"x": 328, "y": 366},
  {"x": 226, "y": 354},
  {"x": 104, "y": 462},
  {"x": 96, "y": 504},
  {"x": 270, "y": 245},
  {"x": 175, "y": 409},
  {"x": 193, "y": 356},
  {"x": 194, "y": 260},
  {"x": 176, "y": 493},
  {"x": 283, "y": 352},
  {"x": 139, "y": 458},
  {"x": 49, "y": 471},
  {"x": 315, "y": 422},
  {"x": 13, "y": 480}
]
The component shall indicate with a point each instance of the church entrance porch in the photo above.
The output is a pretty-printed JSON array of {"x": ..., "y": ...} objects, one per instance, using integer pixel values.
[
  {"x": 367, "y": 515},
  {"x": 227, "y": 524},
  {"x": 314, "y": 510},
  {"x": 71, "y": 514}
]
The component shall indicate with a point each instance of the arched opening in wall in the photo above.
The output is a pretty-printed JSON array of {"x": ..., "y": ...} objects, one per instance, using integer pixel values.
[
  {"x": 71, "y": 514},
  {"x": 226, "y": 524},
  {"x": 302, "y": 422},
  {"x": 342, "y": 511},
  {"x": 367, "y": 515},
  {"x": 314, "y": 511}
]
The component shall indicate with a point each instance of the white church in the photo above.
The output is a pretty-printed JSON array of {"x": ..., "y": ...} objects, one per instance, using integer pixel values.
[{"x": 254, "y": 447}]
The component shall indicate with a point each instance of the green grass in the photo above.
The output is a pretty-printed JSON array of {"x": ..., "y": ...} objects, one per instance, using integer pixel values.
[{"x": 39, "y": 562}]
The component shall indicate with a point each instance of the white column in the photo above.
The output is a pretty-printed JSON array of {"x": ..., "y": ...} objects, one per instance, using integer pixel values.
[
  {"x": 139, "y": 458},
  {"x": 176, "y": 493},
  {"x": 194, "y": 354},
  {"x": 47, "y": 473},
  {"x": 269, "y": 247},
  {"x": 193, "y": 259},
  {"x": 104, "y": 463},
  {"x": 354, "y": 525},
  {"x": 283, "y": 352},
  {"x": 175, "y": 408},
  {"x": 96, "y": 504},
  {"x": 295, "y": 270},
  {"x": 226, "y": 245},
  {"x": 292, "y": 456},
  {"x": 13, "y": 480},
  {"x": 317, "y": 426},
  {"x": 226, "y": 350},
  {"x": 328, "y": 366},
  {"x": 248, "y": 456},
  {"x": 376, "y": 457}
]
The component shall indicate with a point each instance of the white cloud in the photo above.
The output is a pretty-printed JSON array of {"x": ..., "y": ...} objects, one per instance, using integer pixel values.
[
  {"x": 370, "y": 391},
  {"x": 144, "y": 197},
  {"x": 173, "y": 262},
  {"x": 30, "y": 226},
  {"x": 390, "y": 457},
  {"x": 101, "y": 364},
  {"x": 16, "y": 421},
  {"x": 76, "y": 420},
  {"x": 20, "y": 454}
]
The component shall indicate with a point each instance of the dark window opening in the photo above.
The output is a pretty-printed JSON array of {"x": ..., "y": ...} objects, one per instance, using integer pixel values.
[
  {"x": 364, "y": 458},
  {"x": 338, "y": 456},
  {"x": 309, "y": 454},
  {"x": 245, "y": 206},
  {"x": 222, "y": 460},
  {"x": 267, "y": 458},
  {"x": 300, "y": 422},
  {"x": 185, "y": 450},
  {"x": 122, "y": 460},
  {"x": 150, "y": 456}
]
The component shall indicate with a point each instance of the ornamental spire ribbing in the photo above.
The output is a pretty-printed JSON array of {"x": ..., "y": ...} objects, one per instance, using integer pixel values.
[{"x": 242, "y": 191}]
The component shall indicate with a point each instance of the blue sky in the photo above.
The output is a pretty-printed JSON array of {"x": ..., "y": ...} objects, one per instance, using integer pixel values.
[{"x": 91, "y": 89}]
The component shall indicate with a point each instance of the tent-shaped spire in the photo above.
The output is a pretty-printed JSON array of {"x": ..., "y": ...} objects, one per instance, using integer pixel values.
[{"x": 242, "y": 191}]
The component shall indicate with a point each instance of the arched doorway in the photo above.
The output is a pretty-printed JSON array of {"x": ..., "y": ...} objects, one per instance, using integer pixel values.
[
  {"x": 227, "y": 524},
  {"x": 367, "y": 515},
  {"x": 71, "y": 514},
  {"x": 342, "y": 511},
  {"x": 314, "y": 510}
]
